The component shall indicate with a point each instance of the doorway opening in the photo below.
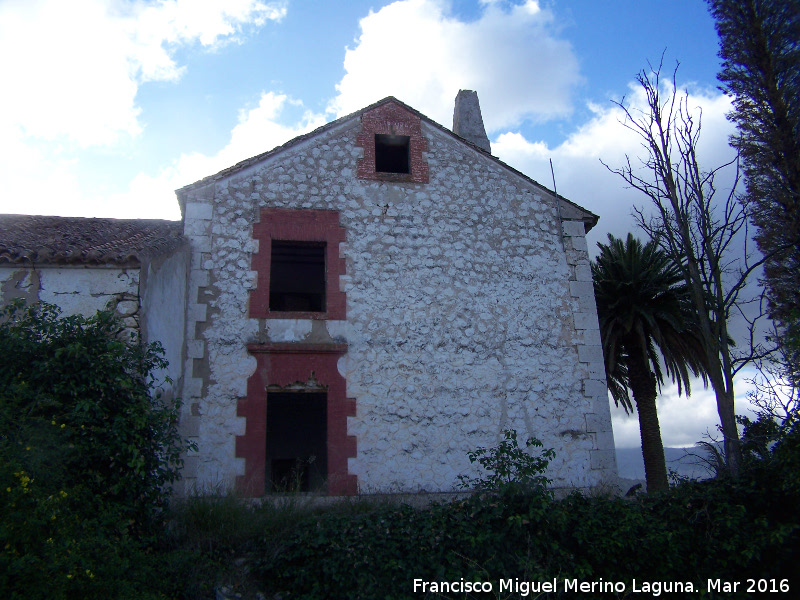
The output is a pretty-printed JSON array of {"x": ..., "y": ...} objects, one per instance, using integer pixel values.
[{"x": 297, "y": 442}]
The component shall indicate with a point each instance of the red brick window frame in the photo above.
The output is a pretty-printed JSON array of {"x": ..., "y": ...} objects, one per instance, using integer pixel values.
[
  {"x": 291, "y": 225},
  {"x": 284, "y": 364},
  {"x": 392, "y": 119}
]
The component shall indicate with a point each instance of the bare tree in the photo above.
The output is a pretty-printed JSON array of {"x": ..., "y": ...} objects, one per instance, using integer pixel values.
[
  {"x": 776, "y": 388},
  {"x": 701, "y": 230}
]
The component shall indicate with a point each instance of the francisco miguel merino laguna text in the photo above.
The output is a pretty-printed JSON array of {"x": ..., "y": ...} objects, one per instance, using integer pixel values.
[{"x": 524, "y": 588}]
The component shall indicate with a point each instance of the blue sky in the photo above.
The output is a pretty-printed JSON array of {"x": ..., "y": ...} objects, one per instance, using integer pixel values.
[{"x": 110, "y": 105}]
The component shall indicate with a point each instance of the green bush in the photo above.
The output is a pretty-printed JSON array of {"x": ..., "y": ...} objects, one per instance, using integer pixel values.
[
  {"x": 86, "y": 452},
  {"x": 728, "y": 529},
  {"x": 701, "y": 531},
  {"x": 509, "y": 469}
]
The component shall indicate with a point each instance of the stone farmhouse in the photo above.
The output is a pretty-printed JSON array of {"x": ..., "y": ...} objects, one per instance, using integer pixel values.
[{"x": 353, "y": 311}]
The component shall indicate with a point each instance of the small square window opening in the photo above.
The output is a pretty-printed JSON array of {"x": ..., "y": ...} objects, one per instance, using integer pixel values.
[{"x": 392, "y": 153}]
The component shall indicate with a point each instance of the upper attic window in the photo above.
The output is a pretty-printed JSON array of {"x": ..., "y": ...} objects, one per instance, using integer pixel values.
[
  {"x": 394, "y": 147},
  {"x": 391, "y": 153}
]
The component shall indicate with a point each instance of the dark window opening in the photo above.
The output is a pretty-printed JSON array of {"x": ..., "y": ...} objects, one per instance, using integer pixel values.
[
  {"x": 297, "y": 441},
  {"x": 297, "y": 277},
  {"x": 391, "y": 153}
]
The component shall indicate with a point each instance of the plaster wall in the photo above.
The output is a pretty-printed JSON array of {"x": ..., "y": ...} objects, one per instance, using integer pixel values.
[
  {"x": 163, "y": 292},
  {"x": 75, "y": 290},
  {"x": 469, "y": 311}
]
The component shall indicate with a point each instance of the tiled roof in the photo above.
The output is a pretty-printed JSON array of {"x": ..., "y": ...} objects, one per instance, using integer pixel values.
[{"x": 33, "y": 239}]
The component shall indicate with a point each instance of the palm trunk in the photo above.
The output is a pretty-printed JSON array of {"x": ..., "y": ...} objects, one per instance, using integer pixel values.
[{"x": 643, "y": 386}]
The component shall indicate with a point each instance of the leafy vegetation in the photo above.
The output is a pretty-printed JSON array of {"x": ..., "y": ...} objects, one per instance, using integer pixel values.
[
  {"x": 761, "y": 71},
  {"x": 508, "y": 469},
  {"x": 729, "y": 529},
  {"x": 86, "y": 452}
]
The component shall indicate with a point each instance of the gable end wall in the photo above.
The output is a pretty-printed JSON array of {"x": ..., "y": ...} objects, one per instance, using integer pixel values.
[{"x": 468, "y": 311}]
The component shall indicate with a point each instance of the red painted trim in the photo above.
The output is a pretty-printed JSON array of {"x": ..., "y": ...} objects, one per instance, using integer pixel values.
[
  {"x": 301, "y": 225},
  {"x": 296, "y": 348},
  {"x": 392, "y": 119},
  {"x": 282, "y": 365}
]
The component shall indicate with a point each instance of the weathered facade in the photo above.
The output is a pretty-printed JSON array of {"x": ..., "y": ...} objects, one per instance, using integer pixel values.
[
  {"x": 361, "y": 307},
  {"x": 452, "y": 299}
]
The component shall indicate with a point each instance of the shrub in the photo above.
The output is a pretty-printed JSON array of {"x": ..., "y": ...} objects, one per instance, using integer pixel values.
[
  {"x": 510, "y": 469},
  {"x": 86, "y": 451},
  {"x": 728, "y": 529}
]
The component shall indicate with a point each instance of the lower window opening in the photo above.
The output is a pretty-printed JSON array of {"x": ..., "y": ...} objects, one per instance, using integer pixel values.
[{"x": 297, "y": 442}]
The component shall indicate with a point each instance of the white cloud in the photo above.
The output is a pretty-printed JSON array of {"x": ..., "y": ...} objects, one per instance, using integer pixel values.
[
  {"x": 73, "y": 80},
  {"x": 416, "y": 51},
  {"x": 259, "y": 129},
  {"x": 78, "y": 64},
  {"x": 684, "y": 420},
  {"x": 182, "y": 21},
  {"x": 35, "y": 175},
  {"x": 582, "y": 178}
]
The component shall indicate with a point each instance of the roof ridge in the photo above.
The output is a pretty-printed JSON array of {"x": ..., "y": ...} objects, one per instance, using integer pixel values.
[{"x": 241, "y": 165}]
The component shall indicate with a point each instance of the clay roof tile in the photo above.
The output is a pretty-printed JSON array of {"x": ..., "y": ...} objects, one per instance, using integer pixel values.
[{"x": 35, "y": 239}]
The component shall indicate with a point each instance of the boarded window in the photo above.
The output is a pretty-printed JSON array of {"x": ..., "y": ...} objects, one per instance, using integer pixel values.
[
  {"x": 297, "y": 441},
  {"x": 297, "y": 277},
  {"x": 391, "y": 153}
]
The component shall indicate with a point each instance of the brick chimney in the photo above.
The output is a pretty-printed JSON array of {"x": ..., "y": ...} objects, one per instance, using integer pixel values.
[{"x": 467, "y": 120}]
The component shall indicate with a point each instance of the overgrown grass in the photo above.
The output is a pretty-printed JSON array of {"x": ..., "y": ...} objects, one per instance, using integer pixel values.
[
  {"x": 295, "y": 547},
  {"x": 361, "y": 548},
  {"x": 724, "y": 529},
  {"x": 721, "y": 529},
  {"x": 229, "y": 536}
]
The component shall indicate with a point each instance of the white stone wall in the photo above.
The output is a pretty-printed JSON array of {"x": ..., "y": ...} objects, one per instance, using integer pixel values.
[{"x": 469, "y": 310}]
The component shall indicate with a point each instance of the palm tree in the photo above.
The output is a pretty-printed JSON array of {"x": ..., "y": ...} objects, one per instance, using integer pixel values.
[{"x": 643, "y": 306}]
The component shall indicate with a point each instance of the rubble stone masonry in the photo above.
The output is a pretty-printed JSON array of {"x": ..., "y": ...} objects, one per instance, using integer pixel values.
[{"x": 469, "y": 310}]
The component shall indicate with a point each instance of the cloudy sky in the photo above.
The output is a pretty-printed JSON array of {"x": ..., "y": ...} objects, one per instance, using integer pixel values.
[{"x": 110, "y": 105}]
